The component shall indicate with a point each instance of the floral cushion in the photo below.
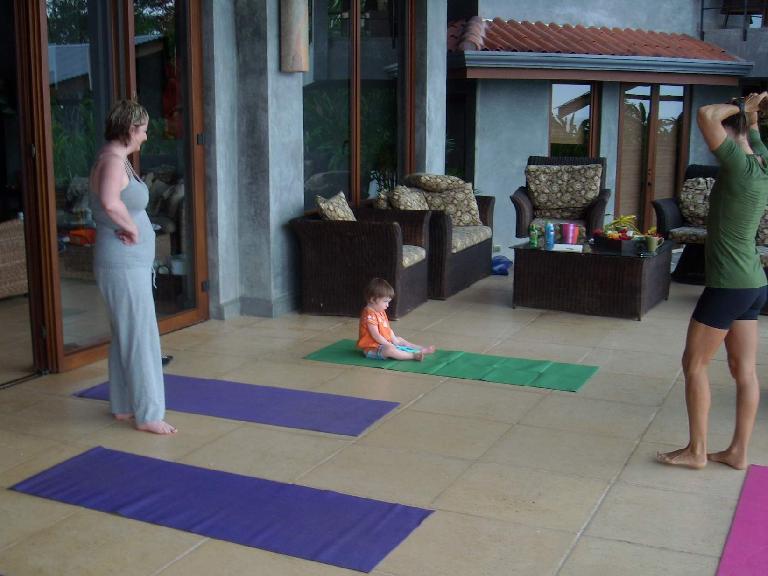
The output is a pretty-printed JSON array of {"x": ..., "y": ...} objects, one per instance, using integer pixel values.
[
  {"x": 334, "y": 208},
  {"x": 412, "y": 254},
  {"x": 562, "y": 191},
  {"x": 433, "y": 182},
  {"x": 382, "y": 201},
  {"x": 694, "y": 200},
  {"x": 688, "y": 235},
  {"x": 763, "y": 251},
  {"x": 458, "y": 203},
  {"x": 762, "y": 229},
  {"x": 404, "y": 198},
  {"x": 466, "y": 236}
]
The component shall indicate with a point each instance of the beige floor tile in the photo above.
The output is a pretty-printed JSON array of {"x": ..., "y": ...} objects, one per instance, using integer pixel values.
[
  {"x": 59, "y": 418},
  {"x": 249, "y": 344},
  {"x": 301, "y": 375},
  {"x": 685, "y": 522},
  {"x": 436, "y": 433},
  {"x": 264, "y": 452},
  {"x": 388, "y": 385},
  {"x": 566, "y": 411},
  {"x": 580, "y": 319},
  {"x": 561, "y": 451},
  {"x": 629, "y": 388},
  {"x": 185, "y": 339},
  {"x": 543, "y": 330},
  {"x": 214, "y": 557},
  {"x": 203, "y": 364},
  {"x": 40, "y": 461},
  {"x": 23, "y": 515},
  {"x": 387, "y": 474},
  {"x": 634, "y": 362},
  {"x": 519, "y": 347},
  {"x": 498, "y": 402},
  {"x": 667, "y": 338},
  {"x": 16, "y": 448},
  {"x": 599, "y": 557},
  {"x": 715, "y": 479},
  {"x": 18, "y": 398},
  {"x": 477, "y": 324},
  {"x": 537, "y": 498},
  {"x": 91, "y": 543},
  {"x": 194, "y": 431},
  {"x": 448, "y": 544},
  {"x": 67, "y": 383}
]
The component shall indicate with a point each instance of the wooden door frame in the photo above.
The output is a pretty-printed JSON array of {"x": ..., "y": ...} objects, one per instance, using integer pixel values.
[{"x": 647, "y": 192}]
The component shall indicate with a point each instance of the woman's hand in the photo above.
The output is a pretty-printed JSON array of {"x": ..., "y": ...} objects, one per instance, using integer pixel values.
[
  {"x": 128, "y": 236},
  {"x": 753, "y": 102}
]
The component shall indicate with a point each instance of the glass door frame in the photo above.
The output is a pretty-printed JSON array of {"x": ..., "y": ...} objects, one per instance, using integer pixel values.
[
  {"x": 38, "y": 177},
  {"x": 648, "y": 185}
]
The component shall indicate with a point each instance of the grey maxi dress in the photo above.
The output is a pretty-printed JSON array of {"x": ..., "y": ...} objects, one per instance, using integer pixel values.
[{"x": 124, "y": 275}]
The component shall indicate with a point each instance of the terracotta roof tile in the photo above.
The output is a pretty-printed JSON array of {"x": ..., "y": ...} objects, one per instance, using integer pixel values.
[{"x": 499, "y": 35}]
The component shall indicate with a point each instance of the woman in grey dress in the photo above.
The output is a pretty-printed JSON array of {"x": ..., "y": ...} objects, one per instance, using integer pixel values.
[{"x": 123, "y": 259}]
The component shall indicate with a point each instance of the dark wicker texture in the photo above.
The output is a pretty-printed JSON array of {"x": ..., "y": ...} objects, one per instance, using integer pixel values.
[
  {"x": 593, "y": 215},
  {"x": 338, "y": 259},
  {"x": 690, "y": 267},
  {"x": 592, "y": 283},
  {"x": 448, "y": 272}
]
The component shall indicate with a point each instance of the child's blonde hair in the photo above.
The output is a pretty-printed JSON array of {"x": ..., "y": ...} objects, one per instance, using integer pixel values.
[{"x": 378, "y": 288}]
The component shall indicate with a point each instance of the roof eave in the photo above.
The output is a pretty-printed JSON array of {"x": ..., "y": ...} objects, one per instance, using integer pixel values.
[{"x": 597, "y": 62}]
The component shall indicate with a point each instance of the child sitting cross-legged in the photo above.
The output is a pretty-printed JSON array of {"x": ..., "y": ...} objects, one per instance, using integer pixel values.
[{"x": 377, "y": 340}]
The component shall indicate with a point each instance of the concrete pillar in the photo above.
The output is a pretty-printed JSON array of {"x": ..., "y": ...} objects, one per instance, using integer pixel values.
[{"x": 429, "y": 108}]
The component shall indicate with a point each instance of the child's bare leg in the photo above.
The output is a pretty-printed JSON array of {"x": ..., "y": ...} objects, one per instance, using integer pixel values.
[
  {"x": 741, "y": 344},
  {"x": 701, "y": 344},
  {"x": 392, "y": 351}
]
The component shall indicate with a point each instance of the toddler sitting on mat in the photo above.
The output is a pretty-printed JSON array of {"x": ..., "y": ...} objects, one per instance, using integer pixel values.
[{"x": 377, "y": 340}]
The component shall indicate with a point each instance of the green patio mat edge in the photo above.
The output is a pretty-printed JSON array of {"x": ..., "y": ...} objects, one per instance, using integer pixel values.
[{"x": 469, "y": 365}]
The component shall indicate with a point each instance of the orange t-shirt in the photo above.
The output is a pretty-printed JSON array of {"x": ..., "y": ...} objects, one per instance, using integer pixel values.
[{"x": 369, "y": 316}]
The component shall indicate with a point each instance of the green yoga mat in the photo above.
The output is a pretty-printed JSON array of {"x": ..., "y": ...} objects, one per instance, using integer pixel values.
[{"x": 497, "y": 369}]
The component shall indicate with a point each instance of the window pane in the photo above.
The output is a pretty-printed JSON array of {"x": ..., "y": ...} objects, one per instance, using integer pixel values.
[
  {"x": 378, "y": 106},
  {"x": 80, "y": 75},
  {"x": 570, "y": 120},
  {"x": 326, "y": 102}
]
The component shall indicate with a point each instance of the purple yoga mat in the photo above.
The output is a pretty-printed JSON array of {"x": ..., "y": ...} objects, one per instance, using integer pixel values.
[
  {"x": 746, "y": 550},
  {"x": 266, "y": 404},
  {"x": 320, "y": 525}
]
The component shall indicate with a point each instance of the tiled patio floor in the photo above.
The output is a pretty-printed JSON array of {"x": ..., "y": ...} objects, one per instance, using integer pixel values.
[{"x": 524, "y": 481}]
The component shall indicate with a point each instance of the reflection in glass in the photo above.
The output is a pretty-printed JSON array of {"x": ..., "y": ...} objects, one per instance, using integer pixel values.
[
  {"x": 326, "y": 103},
  {"x": 378, "y": 104},
  {"x": 161, "y": 48},
  {"x": 80, "y": 94},
  {"x": 668, "y": 142},
  {"x": 569, "y": 122},
  {"x": 635, "y": 111}
]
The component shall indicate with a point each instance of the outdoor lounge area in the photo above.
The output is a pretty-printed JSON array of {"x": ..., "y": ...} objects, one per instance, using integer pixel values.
[{"x": 522, "y": 480}]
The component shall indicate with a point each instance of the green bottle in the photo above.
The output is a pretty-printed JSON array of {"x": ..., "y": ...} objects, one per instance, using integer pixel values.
[{"x": 533, "y": 236}]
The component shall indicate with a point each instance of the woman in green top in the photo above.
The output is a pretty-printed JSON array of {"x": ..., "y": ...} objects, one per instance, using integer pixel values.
[{"x": 735, "y": 288}]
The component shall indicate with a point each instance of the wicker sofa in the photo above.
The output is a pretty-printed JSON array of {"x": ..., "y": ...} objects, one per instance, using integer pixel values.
[
  {"x": 460, "y": 229},
  {"x": 568, "y": 205},
  {"x": 13, "y": 259},
  {"x": 339, "y": 258}
]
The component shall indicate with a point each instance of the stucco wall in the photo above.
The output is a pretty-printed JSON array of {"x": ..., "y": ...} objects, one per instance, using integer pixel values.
[
  {"x": 511, "y": 124},
  {"x": 698, "y": 153},
  {"x": 660, "y": 15}
]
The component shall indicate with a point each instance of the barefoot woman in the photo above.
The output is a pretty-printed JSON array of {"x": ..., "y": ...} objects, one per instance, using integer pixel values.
[
  {"x": 735, "y": 281},
  {"x": 123, "y": 258}
]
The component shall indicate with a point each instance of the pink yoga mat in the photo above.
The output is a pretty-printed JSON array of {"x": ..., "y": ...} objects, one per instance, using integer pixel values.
[{"x": 746, "y": 550}]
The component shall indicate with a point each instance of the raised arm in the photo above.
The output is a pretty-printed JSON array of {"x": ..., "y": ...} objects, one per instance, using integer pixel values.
[
  {"x": 710, "y": 120},
  {"x": 758, "y": 146}
]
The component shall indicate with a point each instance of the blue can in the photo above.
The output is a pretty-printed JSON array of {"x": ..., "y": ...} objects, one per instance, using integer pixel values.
[{"x": 549, "y": 236}]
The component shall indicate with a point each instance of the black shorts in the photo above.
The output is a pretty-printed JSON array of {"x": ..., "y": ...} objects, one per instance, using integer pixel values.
[{"x": 720, "y": 307}]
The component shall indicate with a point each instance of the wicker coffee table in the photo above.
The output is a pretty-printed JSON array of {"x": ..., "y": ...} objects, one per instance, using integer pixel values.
[{"x": 592, "y": 282}]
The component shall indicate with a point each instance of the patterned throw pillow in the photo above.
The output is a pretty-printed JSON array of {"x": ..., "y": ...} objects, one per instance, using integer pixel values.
[
  {"x": 563, "y": 191},
  {"x": 433, "y": 182},
  {"x": 694, "y": 200},
  {"x": 382, "y": 202},
  {"x": 458, "y": 203},
  {"x": 404, "y": 198},
  {"x": 335, "y": 208}
]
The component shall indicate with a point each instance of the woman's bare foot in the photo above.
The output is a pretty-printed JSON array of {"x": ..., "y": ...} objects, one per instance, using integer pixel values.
[
  {"x": 682, "y": 457},
  {"x": 123, "y": 417},
  {"x": 730, "y": 458},
  {"x": 156, "y": 427}
]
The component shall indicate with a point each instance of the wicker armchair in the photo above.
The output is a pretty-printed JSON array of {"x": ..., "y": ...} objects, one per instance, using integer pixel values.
[
  {"x": 593, "y": 215},
  {"x": 13, "y": 259},
  {"x": 339, "y": 258},
  {"x": 690, "y": 267}
]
